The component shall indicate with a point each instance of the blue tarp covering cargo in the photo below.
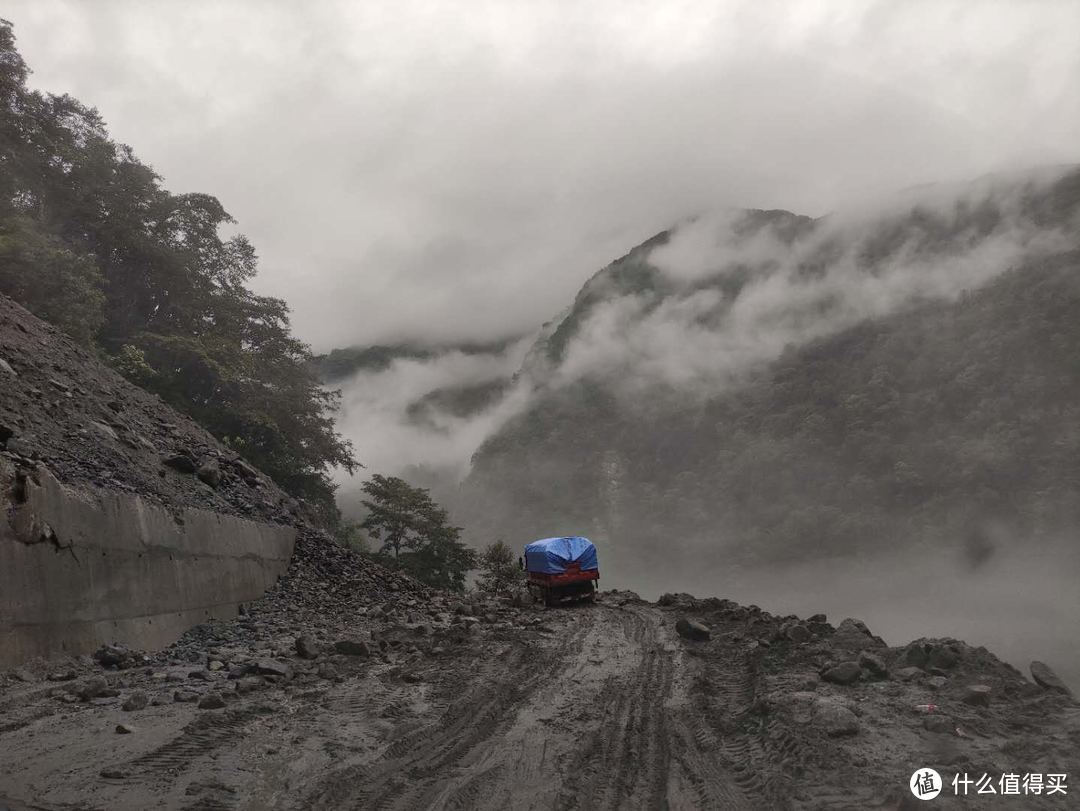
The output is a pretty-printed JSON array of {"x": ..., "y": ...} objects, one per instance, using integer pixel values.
[{"x": 553, "y": 555}]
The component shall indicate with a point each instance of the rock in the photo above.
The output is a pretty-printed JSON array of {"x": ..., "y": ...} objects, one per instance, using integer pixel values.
[
  {"x": 909, "y": 673},
  {"x": 833, "y": 717},
  {"x": 916, "y": 654},
  {"x": 246, "y": 471},
  {"x": 521, "y": 598},
  {"x": 796, "y": 632},
  {"x": 1048, "y": 679},
  {"x": 202, "y": 675},
  {"x": 180, "y": 462},
  {"x": 843, "y": 673},
  {"x": 137, "y": 700},
  {"x": 214, "y": 665},
  {"x": 92, "y": 688},
  {"x": 307, "y": 648},
  {"x": 23, "y": 675},
  {"x": 117, "y": 656},
  {"x": 873, "y": 664},
  {"x": 103, "y": 430},
  {"x": 936, "y": 682},
  {"x": 5, "y": 367},
  {"x": 270, "y": 667},
  {"x": 854, "y": 635},
  {"x": 61, "y": 675},
  {"x": 352, "y": 647},
  {"x": 211, "y": 701},
  {"x": 210, "y": 473},
  {"x": 185, "y": 696},
  {"x": 977, "y": 695},
  {"x": 942, "y": 656},
  {"x": 328, "y": 671},
  {"x": 682, "y": 600},
  {"x": 941, "y": 724},
  {"x": 249, "y": 684},
  {"x": 113, "y": 774},
  {"x": 124, "y": 729},
  {"x": 691, "y": 629}
]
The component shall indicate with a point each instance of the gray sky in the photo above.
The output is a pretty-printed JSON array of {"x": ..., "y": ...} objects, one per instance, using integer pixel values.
[{"x": 457, "y": 170}]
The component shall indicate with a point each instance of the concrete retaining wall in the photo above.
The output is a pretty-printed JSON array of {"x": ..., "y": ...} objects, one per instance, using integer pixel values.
[{"x": 81, "y": 568}]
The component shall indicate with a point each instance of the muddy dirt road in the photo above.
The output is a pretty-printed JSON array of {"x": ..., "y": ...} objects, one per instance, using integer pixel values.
[{"x": 596, "y": 707}]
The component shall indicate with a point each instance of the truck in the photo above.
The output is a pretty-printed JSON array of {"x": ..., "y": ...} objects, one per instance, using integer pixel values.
[{"x": 562, "y": 570}]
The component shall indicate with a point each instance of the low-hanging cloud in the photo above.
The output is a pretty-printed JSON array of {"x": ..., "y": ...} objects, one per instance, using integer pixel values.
[
  {"x": 375, "y": 410},
  {"x": 700, "y": 333},
  {"x": 409, "y": 171}
]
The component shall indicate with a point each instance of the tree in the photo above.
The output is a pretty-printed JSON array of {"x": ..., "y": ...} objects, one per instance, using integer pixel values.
[
  {"x": 91, "y": 241},
  {"x": 415, "y": 533},
  {"x": 499, "y": 572},
  {"x": 397, "y": 513}
]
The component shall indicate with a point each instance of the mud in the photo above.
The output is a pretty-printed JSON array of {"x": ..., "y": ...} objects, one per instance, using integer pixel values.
[{"x": 479, "y": 705}]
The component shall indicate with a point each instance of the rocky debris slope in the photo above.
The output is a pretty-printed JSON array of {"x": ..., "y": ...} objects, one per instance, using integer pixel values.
[
  {"x": 842, "y": 695},
  {"x": 60, "y": 405},
  {"x": 331, "y": 612},
  {"x": 347, "y": 678}
]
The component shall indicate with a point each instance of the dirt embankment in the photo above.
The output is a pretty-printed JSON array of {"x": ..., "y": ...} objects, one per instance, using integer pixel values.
[
  {"x": 60, "y": 406},
  {"x": 350, "y": 687}
]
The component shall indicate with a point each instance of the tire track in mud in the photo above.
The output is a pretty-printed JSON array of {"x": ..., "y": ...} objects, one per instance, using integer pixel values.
[
  {"x": 624, "y": 763},
  {"x": 752, "y": 754},
  {"x": 417, "y": 767},
  {"x": 200, "y": 737}
]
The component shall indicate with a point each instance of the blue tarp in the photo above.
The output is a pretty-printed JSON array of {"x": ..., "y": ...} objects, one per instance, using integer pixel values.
[{"x": 552, "y": 555}]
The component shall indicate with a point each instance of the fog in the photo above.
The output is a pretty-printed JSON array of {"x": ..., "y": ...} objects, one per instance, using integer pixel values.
[
  {"x": 1023, "y": 604},
  {"x": 410, "y": 171},
  {"x": 375, "y": 411}
]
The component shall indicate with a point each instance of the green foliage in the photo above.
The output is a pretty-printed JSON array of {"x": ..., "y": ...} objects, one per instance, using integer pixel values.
[
  {"x": 415, "y": 533},
  {"x": 130, "y": 361},
  {"x": 50, "y": 280},
  {"x": 350, "y": 534},
  {"x": 91, "y": 241},
  {"x": 499, "y": 572}
]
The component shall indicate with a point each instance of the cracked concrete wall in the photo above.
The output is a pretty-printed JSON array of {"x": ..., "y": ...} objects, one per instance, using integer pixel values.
[{"x": 79, "y": 568}]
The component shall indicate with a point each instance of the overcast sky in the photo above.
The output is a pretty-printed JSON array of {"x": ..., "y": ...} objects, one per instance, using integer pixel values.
[{"x": 457, "y": 169}]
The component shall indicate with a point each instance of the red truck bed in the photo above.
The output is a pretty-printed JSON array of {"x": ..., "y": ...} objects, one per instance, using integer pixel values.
[{"x": 573, "y": 574}]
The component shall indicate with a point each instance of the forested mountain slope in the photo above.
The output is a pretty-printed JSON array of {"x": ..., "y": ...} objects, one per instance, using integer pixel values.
[
  {"x": 929, "y": 394},
  {"x": 91, "y": 241}
]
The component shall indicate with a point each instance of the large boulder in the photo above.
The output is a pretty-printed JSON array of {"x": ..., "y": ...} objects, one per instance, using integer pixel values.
[
  {"x": 352, "y": 647},
  {"x": 853, "y": 635},
  {"x": 795, "y": 631},
  {"x": 209, "y": 472},
  {"x": 834, "y": 717},
  {"x": 843, "y": 673},
  {"x": 307, "y": 648},
  {"x": 1048, "y": 679},
  {"x": 873, "y": 664},
  {"x": 137, "y": 700},
  {"x": 691, "y": 629},
  {"x": 681, "y": 600}
]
